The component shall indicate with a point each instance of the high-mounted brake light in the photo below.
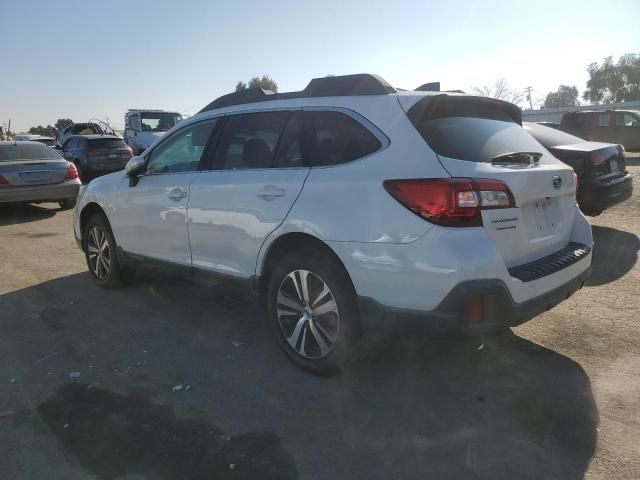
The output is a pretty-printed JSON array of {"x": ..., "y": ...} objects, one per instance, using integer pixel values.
[
  {"x": 72, "y": 173},
  {"x": 452, "y": 202}
]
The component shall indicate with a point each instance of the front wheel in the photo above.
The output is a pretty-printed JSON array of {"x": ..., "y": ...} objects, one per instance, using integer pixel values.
[
  {"x": 101, "y": 255},
  {"x": 312, "y": 309}
]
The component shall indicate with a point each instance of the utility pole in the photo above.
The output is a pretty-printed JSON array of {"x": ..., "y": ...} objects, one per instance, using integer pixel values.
[{"x": 528, "y": 90}]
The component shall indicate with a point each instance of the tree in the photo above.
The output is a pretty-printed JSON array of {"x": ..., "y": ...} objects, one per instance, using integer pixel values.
[
  {"x": 266, "y": 83},
  {"x": 611, "y": 83},
  {"x": 565, "y": 96},
  {"x": 47, "y": 131},
  {"x": 500, "y": 90},
  {"x": 63, "y": 123}
]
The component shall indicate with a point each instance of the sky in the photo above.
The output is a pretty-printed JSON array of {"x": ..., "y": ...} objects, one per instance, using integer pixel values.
[{"x": 86, "y": 59}]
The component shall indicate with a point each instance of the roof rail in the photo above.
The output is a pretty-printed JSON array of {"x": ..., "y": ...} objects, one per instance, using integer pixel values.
[{"x": 344, "y": 85}]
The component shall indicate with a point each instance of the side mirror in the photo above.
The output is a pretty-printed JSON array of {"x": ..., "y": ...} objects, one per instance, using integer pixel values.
[{"x": 134, "y": 166}]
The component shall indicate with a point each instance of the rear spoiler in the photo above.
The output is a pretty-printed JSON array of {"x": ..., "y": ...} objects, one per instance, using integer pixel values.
[{"x": 441, "y": 106}]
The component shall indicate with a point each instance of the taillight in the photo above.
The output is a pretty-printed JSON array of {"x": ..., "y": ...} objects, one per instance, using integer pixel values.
[
  {"x": 3, "y": 181},
  {"x": 452, "y": 202},
  {"x": 72, "y": 172},
  {"x": 129, "y": 152}
]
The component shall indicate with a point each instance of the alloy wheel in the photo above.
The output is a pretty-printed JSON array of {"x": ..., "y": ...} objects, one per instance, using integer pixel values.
[
  {"x": 308, "y": 314},
  {"x": 99, "y": 253}
]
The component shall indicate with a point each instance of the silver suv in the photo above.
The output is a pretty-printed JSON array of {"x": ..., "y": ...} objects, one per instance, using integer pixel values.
[{"x": 348, "y": 201}]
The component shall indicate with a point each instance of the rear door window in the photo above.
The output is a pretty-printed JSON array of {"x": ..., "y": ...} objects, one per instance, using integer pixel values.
[
  {"x": 334, "y": 138},
  {"x": 250, "y": 140},
  {"x": 471, "y": 128}
]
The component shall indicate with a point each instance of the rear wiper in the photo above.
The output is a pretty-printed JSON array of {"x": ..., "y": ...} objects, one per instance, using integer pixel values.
[{"x": 524, "y": 159}]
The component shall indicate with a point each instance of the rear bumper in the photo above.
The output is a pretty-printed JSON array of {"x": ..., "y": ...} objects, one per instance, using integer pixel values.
[
  {"x": 478, "y": 304},
  {"x": 599, "y": 195},
  {"x": 40, "y": 193}
]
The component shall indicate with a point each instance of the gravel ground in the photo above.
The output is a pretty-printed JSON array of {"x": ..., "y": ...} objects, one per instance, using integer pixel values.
[{"x": 171, "y": 379}]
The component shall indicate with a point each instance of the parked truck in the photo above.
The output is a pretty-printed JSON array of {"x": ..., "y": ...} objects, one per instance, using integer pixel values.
[{"x": 143, "y": 127}]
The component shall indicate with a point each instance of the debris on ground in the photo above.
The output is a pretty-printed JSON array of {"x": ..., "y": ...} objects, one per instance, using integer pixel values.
[
  {"x": 74, "y": 374},
  {"x": 13, "y": 380},
  {"x": 232, "y": 466},
  {"x": 6, "y": 413},
  {"x": 239, "y": 343},
  {"x": 480, "y": 347},
  {"x": 66, "y": 425},
  {"x": 177, "y": 388},
  {"x": 46, "y": 358}
]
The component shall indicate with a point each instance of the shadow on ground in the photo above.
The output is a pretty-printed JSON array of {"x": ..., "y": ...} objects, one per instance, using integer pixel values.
[
  {"x": 614, "y": 254},
  {"x": 23, "y": 213},
  {"x": 415, "y": 405}
]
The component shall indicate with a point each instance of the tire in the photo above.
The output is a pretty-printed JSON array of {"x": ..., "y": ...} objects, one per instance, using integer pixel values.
[
  {"x": 67, "y": 204},
  {"x": 107, "y": 270},
  {"x": 330, "y": 339}
]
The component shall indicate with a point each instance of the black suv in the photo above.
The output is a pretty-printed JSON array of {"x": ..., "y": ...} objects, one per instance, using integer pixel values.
[
  {"x": 612, "y": 126},
  {"x": 95, "y": 154}
]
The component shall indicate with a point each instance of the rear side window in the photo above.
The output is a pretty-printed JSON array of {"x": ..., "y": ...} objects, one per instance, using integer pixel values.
[
  {"x": 603, "y": 119},
  {"x": 250, "y": 140},
  {"x": 26, "y": 151},
  {"x": 107, "y": 143},
  {"x": 335, "y": 138},
  {"x": 471, "y": 128}
]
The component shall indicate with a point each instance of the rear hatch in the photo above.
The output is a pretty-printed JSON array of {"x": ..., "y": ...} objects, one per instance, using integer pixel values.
[
  {"x": 30, "y": 164},
  {"x": 482, "y": 138},
  {"x": 108, "y": 150}
]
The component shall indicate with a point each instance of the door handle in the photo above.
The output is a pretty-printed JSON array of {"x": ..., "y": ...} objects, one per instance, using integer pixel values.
[
  {"x": 177, "y": 194},
  {"x": 270, "y": 192}
]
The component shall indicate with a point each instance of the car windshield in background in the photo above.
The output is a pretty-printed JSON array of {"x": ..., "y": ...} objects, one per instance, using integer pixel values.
[
  {"x": 26, "y": 151},
  {"x": 159, "y": 122},
  {"x": 551, "y": 137},
  {"x": 107, "y": 143}
]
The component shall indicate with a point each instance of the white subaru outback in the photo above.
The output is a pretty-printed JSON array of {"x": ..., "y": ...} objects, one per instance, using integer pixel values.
[{"x": 347, "y": 200}]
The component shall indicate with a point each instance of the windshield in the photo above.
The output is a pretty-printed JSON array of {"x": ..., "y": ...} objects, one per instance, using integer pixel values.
[
  {"x": 26, "y": 151},
  {"x": 550, "y": 137},
  {"x": 159, "y": 122}
]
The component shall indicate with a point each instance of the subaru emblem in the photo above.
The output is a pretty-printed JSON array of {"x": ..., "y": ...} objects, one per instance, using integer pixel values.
[{"x": 557, "y": 181}]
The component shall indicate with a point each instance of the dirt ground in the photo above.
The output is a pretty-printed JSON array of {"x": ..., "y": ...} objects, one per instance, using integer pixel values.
[{"x": 170, "y": 379}]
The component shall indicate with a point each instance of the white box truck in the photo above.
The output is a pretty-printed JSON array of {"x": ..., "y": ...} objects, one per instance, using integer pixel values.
[{"x": 143, "y": 127}]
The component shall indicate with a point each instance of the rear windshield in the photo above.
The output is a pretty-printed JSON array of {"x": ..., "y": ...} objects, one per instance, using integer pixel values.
[
  {"x": 107, "y": 143},
  {"x": 550, "y": 137},
  {"x": 26, "y": 151},
  {"x": 471, "y": 128},
  {"x": 46, "y": 141}
]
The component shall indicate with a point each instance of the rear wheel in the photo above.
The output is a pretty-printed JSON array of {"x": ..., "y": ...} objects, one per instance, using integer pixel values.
[
  {"x": 67, "y": 204},
  {"x": 101, "y": 255},
  {"x": 312, "y": 310}
]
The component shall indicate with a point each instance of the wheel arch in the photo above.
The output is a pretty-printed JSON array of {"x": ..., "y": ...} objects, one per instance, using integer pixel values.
[
  {"x": 285, "y": 244},
  {"x": 88, "y": 211}
]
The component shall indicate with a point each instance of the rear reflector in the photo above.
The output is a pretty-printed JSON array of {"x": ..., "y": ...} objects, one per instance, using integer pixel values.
[
  {"x": 72, "y": 172},
  {"x": 451, "y": 202}
]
